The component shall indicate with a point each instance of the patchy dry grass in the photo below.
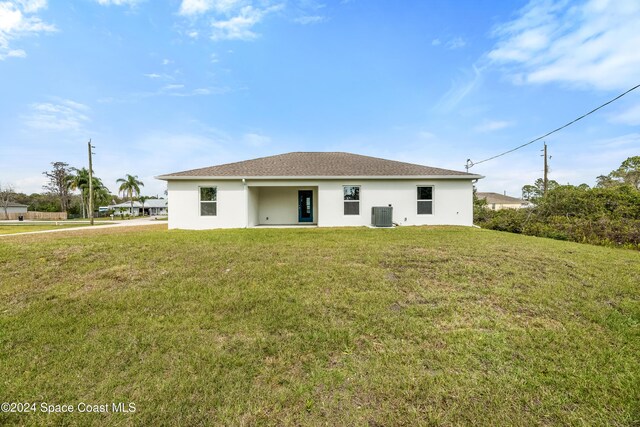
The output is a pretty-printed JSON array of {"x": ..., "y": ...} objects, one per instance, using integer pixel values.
[{"x": 409, "y": 326}]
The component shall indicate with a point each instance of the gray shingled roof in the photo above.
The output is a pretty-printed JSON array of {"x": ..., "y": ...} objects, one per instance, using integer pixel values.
[
  {"x": 317, "y": 164},
  {"x": 498, "y": 198}
]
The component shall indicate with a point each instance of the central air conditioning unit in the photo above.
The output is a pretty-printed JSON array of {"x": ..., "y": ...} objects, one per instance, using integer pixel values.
[{"x": 382, "y": 216}]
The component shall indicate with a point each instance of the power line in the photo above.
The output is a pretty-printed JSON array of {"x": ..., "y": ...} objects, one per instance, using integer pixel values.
[{"x": 470, "y": 164}]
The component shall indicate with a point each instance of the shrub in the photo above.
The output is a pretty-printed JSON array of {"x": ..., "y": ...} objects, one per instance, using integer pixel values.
[{"x": 603, "y": 216}]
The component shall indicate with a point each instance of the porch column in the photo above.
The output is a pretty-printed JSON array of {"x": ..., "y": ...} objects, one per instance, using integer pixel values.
[{"x": 245, "y": 189}]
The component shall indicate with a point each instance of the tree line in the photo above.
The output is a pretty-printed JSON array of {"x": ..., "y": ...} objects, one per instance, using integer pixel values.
[
  {"x": 59, "y": 192},
  {"x": 607, "y": 214}
]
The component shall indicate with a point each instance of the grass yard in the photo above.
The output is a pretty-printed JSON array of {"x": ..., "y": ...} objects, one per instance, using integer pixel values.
[
  {"x": 25, "y": 228},
  {"x": 355, "y": 326}
]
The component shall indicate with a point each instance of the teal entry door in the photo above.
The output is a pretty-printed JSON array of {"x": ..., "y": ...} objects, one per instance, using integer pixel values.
[{"x": 305, "y": 205}]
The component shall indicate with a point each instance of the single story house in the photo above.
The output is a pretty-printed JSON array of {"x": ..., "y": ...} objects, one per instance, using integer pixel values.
[
  {"x": 496, "y": 201},
  {"x": 14, "y": 208},
  {"x": 317, "y": 188},
  {"x": 152, "y": 207}
]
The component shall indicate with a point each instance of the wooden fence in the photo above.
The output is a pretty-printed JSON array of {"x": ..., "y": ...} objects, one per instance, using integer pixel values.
[{"x": 36, "y": 215}]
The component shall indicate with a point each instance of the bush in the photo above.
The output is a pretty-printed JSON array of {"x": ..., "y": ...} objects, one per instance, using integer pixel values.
[
  {"x": 603, "y": 216},
  {"x": 511, "y": 220}
]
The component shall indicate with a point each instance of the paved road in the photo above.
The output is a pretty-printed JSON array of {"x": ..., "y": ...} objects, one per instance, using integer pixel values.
[{"x": 128, "y": 223}]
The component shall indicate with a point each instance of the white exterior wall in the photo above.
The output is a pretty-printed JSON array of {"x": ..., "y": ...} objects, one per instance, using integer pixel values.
[
  {"x": 452, "y": 202},
  {"x": 184, "y": 205},
  {"x": 241, "y": 205}
]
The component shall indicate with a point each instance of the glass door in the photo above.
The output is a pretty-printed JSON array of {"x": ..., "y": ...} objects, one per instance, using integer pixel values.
[{"x": 305, "y": 205}]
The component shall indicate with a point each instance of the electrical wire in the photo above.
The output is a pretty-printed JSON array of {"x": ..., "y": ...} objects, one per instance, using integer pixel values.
[{"x": 470, "y": 163}]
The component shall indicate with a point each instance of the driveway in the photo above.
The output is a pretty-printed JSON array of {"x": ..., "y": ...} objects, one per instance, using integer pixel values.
[{"x": 125, "y": 223}]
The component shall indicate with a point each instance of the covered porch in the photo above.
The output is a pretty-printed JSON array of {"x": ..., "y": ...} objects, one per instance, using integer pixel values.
[{"x": 282, "y": 205}]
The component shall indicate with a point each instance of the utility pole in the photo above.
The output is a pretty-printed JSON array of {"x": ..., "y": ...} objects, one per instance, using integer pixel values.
[
  {"x": 90, "y": 184},
  {"x": 546, "y": 171}
]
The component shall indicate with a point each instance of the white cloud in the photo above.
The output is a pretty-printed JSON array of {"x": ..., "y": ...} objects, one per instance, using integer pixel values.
[
  {"x": 65, "y": 115},
  {"x": 167, "y": 61},
  {"x": 630, "y": 116},
  {"x": 15, "y": 53},
  {"x": 593, "y": 43},
  {"x": 240, "y": 26},
  {"x": 75, "y": 105},
  {"x": 158, "y": 76},
  {"x": 176, "y": 90},
  {"x": 460, "y": 88},
  {"x": 32, "y": 6},
  {"x": 492, "y": 125},
  {"x": 309, "y": 19},
  {"x": 456, "y": 43},
  {"x": 631, "y": 140},
  {"x": 17, "y": 21},
  {"x": 203, "y": 91},
  {"x": 256, "y": 140},
  {"x": 228, "y": 19},
  {"x": 119, "y": 2},
  {"x": 197, "y": 7},
  {"x": 173, "y": 87},
  {"x": 160, "y": 152},
  {"x": 426, "y": 135}
]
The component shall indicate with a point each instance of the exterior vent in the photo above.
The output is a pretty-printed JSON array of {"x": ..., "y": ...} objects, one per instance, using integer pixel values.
[{"x": 381, "y": 216}]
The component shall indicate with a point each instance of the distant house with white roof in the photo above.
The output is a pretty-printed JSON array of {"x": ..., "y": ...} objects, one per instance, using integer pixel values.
[
  {"x": 497, "y": 201},
  {"x": 152, "y": 207},
  {"x": 15, "y": 208}
]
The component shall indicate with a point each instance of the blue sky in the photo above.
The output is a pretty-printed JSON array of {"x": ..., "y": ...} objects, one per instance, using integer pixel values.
[{"x": 162, "y": 86}]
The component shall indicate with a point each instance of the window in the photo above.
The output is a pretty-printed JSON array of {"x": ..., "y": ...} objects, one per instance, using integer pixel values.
[
  {"x": 425, "y": 200},
  {"x": 351, "y": 200},
  {"x": 208, "y": 201}
]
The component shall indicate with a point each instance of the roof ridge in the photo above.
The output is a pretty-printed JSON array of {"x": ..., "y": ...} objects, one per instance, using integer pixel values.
[{"x": 319, "y": 163}]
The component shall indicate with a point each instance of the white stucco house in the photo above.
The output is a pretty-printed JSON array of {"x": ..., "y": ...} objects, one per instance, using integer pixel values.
[
  {"x": 152, "y": 207},
  {"x": 497, "y": 201},
  {"x": 317, "y": 188}
]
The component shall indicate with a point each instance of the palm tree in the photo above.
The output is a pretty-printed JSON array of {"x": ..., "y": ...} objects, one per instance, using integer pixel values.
[
  {"x": 143, "y": 199},
  {"x": 80, "y": 181},
  {"x": 129, "y": 187}
]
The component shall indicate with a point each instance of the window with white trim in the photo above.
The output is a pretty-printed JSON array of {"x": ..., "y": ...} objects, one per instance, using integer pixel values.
[
  {"x": 351, "y": 199},
  {"x": 425, "y": 200},
  {"x": 208, "y": 201}
]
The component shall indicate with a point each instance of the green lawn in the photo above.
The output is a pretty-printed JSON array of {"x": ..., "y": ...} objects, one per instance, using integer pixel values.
[
  {"x": 356, "y": 326},
  {"x": 24, "y": 228}
]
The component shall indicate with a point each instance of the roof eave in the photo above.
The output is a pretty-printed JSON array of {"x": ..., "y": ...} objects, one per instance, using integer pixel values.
[{"x": 302, "y": 177}]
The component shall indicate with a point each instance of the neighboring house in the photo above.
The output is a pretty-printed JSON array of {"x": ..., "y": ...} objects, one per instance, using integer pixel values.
[
  {"x": 14, "y": 208},
  {"x": 498, "y": 201},
  {"x": 324, "y": 189},
  {"x": 152, "y": 207}
]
